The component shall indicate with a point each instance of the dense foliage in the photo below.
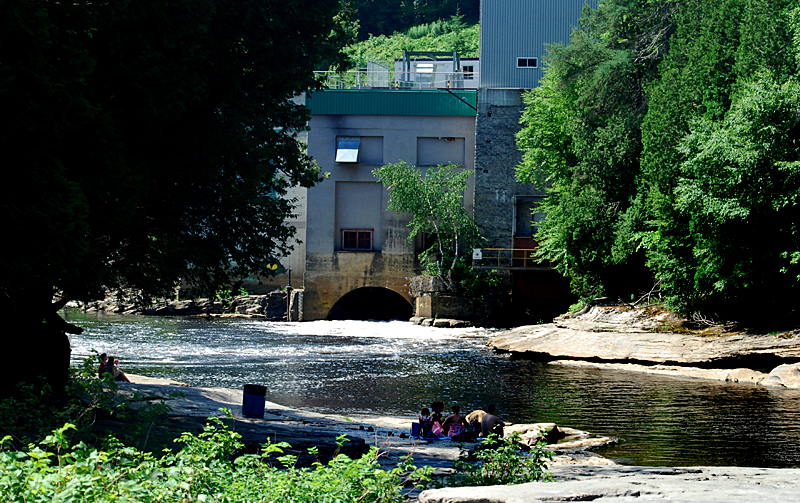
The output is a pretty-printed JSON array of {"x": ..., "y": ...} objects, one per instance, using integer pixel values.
[
  {"x": 385, "y": 17},
  {"x": 434, "y": 198},
  {"x": 666, "y": 134},
  {"x": 149, "y": 141},
  {"x": 85, "y": 403},
  {"x": 204, "y": 469},
  {"x": 447, "y": 35}
]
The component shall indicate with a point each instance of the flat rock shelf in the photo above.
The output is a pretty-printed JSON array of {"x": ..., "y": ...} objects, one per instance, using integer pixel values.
[{"x": 640, "y": 340}]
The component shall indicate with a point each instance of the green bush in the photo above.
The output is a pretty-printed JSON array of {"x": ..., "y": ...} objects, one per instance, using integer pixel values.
[
  {"x": 205, "y": 469},
  {"x": 502, "y": 461},
  {"x": 36, "y": 410}
]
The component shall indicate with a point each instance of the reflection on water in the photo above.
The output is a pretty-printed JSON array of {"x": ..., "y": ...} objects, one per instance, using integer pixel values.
[{"x": 393, "y": 368}]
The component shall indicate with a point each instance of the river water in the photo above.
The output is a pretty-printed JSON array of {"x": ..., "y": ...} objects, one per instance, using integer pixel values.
[{"x": 394, "y": 368}]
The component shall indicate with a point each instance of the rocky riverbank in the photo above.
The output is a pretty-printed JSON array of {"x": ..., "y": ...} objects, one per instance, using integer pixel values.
[
  {"x": 191, "y": 406},
  {"x": 638, "y": 483},
  {"x": 271, "y": 306},
  {"x": 653, "y": 340},
  {"x": 580, "y": 474}
]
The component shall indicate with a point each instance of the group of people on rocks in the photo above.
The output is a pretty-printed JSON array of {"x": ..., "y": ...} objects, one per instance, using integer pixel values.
[
  {"x": 110, "y": 365},
  {"x": 478, "y": 423}
]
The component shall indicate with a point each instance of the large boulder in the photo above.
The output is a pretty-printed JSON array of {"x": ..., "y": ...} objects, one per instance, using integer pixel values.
[
  {"x": 787, "y": 376},
  {"x": 636, "y": 483}
]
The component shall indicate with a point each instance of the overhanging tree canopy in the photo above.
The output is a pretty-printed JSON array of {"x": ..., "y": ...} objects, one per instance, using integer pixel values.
[{"x": 149, "y": 141}]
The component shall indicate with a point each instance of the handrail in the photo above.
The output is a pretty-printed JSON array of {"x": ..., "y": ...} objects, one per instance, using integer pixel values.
[
  {"x": 397, "y": 80},
  {"x": 509, "y": 258}
]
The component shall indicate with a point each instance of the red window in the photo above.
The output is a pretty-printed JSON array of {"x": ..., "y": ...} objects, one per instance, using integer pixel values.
[{"x": 357, "y": 239}]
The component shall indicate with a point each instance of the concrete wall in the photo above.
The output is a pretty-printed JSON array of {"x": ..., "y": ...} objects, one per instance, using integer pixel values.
[{"x": 331, "y": 272}]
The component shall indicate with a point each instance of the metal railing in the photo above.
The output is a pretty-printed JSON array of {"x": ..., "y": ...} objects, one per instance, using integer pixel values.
[
  {"x": 382, "y": 79},
  {"x": 509, "y": 258}
]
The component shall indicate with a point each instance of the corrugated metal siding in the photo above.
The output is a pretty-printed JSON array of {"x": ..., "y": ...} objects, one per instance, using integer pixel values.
[
  {"x": 392, "y": 102},
  {"x": 522, "y": 28}
]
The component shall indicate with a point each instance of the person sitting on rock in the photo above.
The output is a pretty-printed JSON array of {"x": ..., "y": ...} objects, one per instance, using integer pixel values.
[
  {"x": 113, "y": 369},
  {"x": 474, "y": 420},
  {"x": 425, "y": 423},
  {"x": 456, "y": 426},
  {"x": 102, "y": 368},
  {"x": 437, "y": 408},
  {"x": 490, "y": 423}
]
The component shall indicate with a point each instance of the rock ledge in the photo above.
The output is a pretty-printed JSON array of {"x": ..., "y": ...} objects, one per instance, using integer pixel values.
[{"x": 624, "y": 336}]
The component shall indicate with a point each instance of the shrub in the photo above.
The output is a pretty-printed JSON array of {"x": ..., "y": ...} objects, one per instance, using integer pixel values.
[
  {"x": 205, "y": 469},
  {"x": 36, "y": 410},
  {"x": 502, "y": 461}
]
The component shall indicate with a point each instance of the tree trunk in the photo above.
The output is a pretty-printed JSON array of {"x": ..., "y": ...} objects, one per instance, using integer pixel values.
[{"x": 38, "y": 350}]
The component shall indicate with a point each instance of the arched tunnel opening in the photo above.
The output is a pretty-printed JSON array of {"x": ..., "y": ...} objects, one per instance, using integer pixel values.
[{"x": 371, "y": 303}]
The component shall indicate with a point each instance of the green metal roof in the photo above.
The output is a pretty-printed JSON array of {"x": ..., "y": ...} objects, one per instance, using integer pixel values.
[{"x": 458, "y": 103}]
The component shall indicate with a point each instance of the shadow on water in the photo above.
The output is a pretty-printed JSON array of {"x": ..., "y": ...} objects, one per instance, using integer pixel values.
[{"x": 394, "y": 368}]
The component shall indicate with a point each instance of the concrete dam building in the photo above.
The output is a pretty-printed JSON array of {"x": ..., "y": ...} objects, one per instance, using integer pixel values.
[{"x": 358, "y": 258}]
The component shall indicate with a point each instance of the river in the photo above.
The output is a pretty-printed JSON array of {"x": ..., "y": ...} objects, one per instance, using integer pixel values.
[{"x": 394, "y": 368}]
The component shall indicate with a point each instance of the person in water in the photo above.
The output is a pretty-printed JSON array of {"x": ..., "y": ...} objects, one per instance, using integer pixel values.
[
  {"x": 113, "y": 369},
  {"x": 490, "y": 423}
]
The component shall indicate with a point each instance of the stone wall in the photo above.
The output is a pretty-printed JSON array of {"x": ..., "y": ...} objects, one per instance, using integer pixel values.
[
  {"x": 496, "y": 159},
  {"x": 433, "y": 299},
  {"x": 330, "y": 276}
]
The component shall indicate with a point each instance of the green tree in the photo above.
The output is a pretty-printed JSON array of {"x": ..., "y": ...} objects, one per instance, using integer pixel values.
[
  {"x": 668, "y": 127},
  {"x": 582, "y": 141},
  {"x": 741, "y": 197},
  {"x": 443, "y": 36},
  {"x": 435, "y": 200},
  {"x": 386, "y": 17},
  {"x": 148, "y": 141},
  {"x": 716, "y": 51}
]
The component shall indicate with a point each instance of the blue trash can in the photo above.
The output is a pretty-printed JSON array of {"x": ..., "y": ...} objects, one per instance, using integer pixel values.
[{"x": 253, "y": 400}]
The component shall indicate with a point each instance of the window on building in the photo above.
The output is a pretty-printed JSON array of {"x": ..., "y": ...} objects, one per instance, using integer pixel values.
[
  {"x": 347, "y": 149},
  {"x": 527, "y": 62},
  {"x": 359, "y": 150},
  {"x": 528, "y": 216},
  {"x": 357, "y": 239},
  {"x": 441, "y": 150},
  {"x": 358, "y": 216},
  {"x": 469, "y": 72}
]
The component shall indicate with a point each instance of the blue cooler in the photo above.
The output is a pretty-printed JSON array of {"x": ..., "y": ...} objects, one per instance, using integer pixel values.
[{"x": 253, "y": 400}]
